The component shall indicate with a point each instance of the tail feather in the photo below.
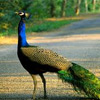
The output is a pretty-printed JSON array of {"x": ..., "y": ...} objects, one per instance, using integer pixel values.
[{"x": 82, "y": 80}]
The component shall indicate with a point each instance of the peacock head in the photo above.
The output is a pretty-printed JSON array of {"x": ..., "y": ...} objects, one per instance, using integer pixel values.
[{"x": 23, "y": 14}]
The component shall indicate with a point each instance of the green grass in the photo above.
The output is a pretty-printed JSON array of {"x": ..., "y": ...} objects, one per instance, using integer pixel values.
[
  {"x": 8, "y": 32},
  {"x": 49, "y": 25},
  {"x": 43, "y": 26}
]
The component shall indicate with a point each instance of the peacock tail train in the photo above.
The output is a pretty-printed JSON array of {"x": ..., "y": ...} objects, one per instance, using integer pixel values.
[{"x": 82, "y": 80}]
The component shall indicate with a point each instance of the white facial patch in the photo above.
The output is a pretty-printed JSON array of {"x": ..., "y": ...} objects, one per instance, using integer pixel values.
[{"x": 21, "y": 14}]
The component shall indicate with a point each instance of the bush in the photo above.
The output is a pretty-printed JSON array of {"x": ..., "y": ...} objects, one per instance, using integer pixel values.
[{"x": 48, "y": 25}]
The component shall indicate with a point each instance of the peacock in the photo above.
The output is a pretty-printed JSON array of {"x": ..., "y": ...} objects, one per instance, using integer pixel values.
[{"x": 37, "y": 60}]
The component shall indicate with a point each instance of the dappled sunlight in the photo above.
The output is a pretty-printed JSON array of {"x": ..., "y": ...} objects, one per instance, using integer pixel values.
[
  {"x": 65, "y": 18},
  {"x": 80, "y": 17},
  {"x": 32, "y": 39},
  {"x": 13, "y": 85},
  {"x": 66, "y": 38},
  {"x": 8, "y": 40},
  {"x": 24, "y": 84},
  {"x": 96, "y": 71}
]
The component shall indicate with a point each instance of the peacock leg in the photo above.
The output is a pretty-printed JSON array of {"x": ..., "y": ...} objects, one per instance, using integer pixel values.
[
  {"x": 44, "y": 85},
  {"x": 35, "y": 85}
]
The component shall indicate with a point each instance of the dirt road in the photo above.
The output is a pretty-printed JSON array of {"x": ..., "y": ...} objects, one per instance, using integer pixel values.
[{"x": 79, "y": 42}]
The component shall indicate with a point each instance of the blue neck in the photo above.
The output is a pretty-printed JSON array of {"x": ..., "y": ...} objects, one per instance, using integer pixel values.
[{"x": 21, "y": 35}]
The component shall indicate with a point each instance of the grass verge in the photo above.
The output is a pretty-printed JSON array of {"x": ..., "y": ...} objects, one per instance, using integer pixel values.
[
  {"x": 40, "y": 26},
  {"x": 49, "y": 25}
]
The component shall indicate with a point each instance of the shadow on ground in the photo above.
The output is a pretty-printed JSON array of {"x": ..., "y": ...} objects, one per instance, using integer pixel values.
[{"x": 29, "y": 97}]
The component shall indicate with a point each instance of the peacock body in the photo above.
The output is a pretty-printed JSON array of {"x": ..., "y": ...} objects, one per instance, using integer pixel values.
[
  {"x": 38, "y": 60},
  {"x": 43, "y": 60}
]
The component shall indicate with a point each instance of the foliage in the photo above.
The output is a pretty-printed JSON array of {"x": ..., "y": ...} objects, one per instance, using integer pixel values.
[
  {"x": 40, "y": 9},
  {"x": 70, "y": 8},
  {"x": 7, "y": 12},
  {"x": 48, "y": 25}
]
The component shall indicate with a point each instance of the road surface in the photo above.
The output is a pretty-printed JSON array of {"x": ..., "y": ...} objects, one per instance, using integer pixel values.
[{"x": 79, "y": 42}]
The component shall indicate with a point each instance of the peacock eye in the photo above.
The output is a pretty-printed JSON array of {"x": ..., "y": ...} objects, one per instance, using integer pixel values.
[{"x": 21, "y": 13}]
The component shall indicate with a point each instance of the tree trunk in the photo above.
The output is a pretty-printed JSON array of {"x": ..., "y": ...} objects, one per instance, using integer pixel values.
[
  {"x": 52, "y": 8},
  {"x": 94, "y": 3},
  {"x": 78, "y": 7},
  {"x": 63, "y": 8},
  {"x": 86, "y": 6}
]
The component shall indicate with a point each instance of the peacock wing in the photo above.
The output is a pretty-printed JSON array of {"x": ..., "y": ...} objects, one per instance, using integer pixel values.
[{"x": 46, "y": 57}]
